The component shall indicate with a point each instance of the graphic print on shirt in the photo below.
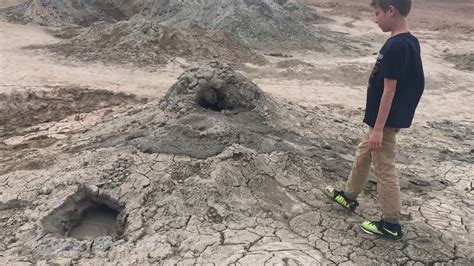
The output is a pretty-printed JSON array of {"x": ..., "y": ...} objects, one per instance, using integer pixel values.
[{"x": 376, "y": 68}]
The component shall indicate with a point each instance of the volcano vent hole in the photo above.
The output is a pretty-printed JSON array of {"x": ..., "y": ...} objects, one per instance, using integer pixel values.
[
  {"x": 212, "y": 99},
  {"x": 85, "y": 215},
  {"x": 96, "y": 221}
]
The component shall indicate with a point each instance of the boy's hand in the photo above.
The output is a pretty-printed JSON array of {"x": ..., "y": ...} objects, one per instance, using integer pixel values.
[{"x": 375, "y": 141}]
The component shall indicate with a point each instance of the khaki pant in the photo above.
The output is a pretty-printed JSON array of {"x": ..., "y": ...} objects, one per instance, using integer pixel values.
[{"x": 388, "y": 187}]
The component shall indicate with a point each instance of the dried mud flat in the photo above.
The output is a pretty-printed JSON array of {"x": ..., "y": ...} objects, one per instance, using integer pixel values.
[{"x": 215, "y": 169}]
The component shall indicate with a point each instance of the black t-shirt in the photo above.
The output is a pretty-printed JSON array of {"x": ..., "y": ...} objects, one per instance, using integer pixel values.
[{"x": 399, "y": 59}]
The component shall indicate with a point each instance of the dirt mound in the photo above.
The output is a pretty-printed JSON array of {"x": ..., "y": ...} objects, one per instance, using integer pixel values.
[
  {"x": 150, "y": 43},
  {"x": 215, "y": 108},
  {"x": 260, "y": 24},
  {"x": 146, "y": 32},
  {"x": 213, "y": 87},
  {"x": 11, "y": 3},
  {"x": 462, "y": 61},
  {"x": 23, "y": 109},
  {"x": 67, "y": 12}
]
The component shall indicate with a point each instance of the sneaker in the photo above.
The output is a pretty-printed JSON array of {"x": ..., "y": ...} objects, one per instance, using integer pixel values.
[
  {"x": 338, "y": 196},
  {"x": 380, "y": 229}
]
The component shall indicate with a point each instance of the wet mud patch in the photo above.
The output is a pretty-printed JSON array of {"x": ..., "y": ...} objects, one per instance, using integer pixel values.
[
  {"x": 462, "y": 61},
  {"x": 27, "y": 108},
  {"x": 293, "y": 63},
  {"x": 461, "y": 131},
  {"x": 96, "y": 221},
  {"x": 31, "y": 121},
  {"x": 205, "y": 134},
  {"x": 423, "y": 185},
  {"x": 67, "y": 32},
  {"x": 14, "y": 160},
  {"x": 86, "y": 215},
  {"x": 408, "y": 181},
  {"x": 448, "y": 155}
]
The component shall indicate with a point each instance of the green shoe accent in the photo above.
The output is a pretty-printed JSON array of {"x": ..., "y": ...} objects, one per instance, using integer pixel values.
[
  {"x": 371, "y": 228},
  {"x": 329, "y": 191},
  {"x": 378, "y": 228},
  {"x": 338, "y": 197}
]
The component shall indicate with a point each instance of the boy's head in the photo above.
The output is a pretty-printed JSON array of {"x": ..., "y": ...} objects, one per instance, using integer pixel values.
[{"x": 387, "y": 12}]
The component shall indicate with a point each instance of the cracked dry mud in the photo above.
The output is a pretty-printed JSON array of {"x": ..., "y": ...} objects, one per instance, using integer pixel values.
[{"x": 220, "y": 173}]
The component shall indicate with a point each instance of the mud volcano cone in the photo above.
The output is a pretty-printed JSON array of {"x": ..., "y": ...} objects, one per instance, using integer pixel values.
[
  {"x": 79, "y": 12},
  {"x": 214, "y": 87},
  {"x": 258, "y": 23},
  {"x": 151, "y": 33},
  {"x": 263, "y": 24}
]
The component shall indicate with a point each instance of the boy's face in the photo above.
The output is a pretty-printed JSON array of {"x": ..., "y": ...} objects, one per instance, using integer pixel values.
[{"x": 384, "y": 19}]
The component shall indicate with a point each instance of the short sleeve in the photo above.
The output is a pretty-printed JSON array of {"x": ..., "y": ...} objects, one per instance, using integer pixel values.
[{"x": 393, "y": 61}]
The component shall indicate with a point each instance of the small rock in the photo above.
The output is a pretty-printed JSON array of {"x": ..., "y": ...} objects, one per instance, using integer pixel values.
[
  {"x": 102, "y": 244},
  {"x": 14, "y": 141},
  {"x": 419, "y": 182},
  {"x": 101, "y": 183},
  {"x": 444, "y": 151},
  {"x": 60, "y": 262},
  {"x": 219, "y": 227},
  {"x": 46, "y": 191},
  {"x": 325, "y": 145},
  {"x": 58, "y": 136}
]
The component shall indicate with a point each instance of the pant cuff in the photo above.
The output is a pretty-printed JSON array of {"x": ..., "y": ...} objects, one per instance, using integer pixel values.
[
  {"x": 392, "y": 220},
  {"x": 351, "y": 196}
]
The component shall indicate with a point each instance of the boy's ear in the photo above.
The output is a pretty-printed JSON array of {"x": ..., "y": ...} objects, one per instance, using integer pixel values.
[{"x": 391, "y": 10}]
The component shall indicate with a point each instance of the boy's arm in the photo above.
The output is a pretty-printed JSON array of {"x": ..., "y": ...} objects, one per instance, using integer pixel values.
[{"x": 376, "y": 137}]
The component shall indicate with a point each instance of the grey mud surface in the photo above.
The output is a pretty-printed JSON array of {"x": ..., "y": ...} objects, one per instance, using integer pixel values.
[
  {"x": 220, "y": 173},
  {"x": 151, "y": 33}
]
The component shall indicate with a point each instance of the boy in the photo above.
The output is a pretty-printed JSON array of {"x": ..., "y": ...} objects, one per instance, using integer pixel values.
[{"x": 395, "y": 88}]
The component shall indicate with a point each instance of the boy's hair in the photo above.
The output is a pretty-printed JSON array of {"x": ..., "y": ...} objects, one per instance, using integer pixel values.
[{"x": 403, "y": 6}]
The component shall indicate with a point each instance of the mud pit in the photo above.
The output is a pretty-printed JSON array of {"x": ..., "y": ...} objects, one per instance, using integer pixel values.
[
  {"x": 97, "y": 221},
  {"x": 85, "y": 216}
]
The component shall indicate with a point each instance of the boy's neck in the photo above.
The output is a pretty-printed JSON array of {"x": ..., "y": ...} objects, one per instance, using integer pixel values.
[{"x": 400, "y": 27}]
